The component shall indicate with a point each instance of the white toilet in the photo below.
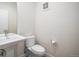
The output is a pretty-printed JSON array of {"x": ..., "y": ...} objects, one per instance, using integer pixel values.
[{"x": 33, "y": 47}]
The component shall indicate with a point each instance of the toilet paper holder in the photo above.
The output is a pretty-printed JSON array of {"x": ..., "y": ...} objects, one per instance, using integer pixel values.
[{"x": 54, "y": 43}]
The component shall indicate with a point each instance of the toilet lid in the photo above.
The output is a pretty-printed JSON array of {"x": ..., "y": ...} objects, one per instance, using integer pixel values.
[{"x": 38, "y": 48}]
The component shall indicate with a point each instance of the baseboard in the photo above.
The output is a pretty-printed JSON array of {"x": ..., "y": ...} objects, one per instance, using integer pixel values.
[
  {"x": 23, "y": 55},
  {"x": 49, "y": 55}
]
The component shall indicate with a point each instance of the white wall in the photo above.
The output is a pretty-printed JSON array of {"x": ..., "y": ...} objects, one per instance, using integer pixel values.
[
  {"x": 60, "y": 20},
  {"x": 25, "y": 22},
  {"x": 11, "y": 8},
  {"x": 26, "y": 17}
]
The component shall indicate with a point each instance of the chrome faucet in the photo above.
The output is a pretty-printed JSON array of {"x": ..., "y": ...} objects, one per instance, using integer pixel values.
[{"x": 6, "y": 32}]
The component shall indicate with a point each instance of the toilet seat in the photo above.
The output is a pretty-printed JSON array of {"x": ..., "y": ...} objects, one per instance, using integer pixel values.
[{"x": 37, "y": 49}]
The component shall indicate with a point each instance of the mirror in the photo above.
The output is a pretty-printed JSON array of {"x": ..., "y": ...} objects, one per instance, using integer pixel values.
[{"x": 8, "y": 16}]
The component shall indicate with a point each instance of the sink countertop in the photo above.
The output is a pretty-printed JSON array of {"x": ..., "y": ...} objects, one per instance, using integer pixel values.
[{"x": 11, "y": 39}]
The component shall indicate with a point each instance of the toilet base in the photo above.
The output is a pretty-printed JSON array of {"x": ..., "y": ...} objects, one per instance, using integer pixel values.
[{"x": 29, "y": 53}]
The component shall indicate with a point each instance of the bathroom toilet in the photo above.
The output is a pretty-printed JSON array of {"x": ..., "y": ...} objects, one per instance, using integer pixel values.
[{"x": 33, "y": 47}]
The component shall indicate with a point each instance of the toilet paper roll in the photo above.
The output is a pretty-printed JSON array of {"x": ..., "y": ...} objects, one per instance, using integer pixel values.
[{"x": 54, "y": 43}]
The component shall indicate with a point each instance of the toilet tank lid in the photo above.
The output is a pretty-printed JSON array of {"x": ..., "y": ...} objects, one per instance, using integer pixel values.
[{"x": 29, "y": 37}]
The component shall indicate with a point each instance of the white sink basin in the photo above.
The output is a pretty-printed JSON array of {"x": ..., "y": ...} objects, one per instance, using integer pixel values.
[
  {"x": 3, "y": 39},
  {"x": 11, "y": 39}
]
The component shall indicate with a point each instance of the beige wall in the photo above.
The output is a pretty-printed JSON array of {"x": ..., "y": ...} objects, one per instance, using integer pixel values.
[
  {"x": 59, "y": 21},
  {"x": 11, "y": 7}
]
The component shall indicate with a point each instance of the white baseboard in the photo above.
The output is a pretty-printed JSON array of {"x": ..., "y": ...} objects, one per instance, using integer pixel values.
[
  {"x": 49, "y": 55},
  {"x": 23, "y": 55}
]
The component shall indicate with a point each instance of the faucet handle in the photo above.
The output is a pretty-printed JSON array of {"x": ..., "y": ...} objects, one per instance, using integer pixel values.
[{"x": 5, "y": 31}]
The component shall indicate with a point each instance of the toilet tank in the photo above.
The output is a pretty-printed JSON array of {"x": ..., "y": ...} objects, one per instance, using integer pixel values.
[{"x": 30, "y": 41}]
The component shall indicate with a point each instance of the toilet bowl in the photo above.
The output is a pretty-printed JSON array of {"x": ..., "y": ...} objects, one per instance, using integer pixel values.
[
  {"x": 37, "y": 49},
  {"x": 33, "y": 47}
]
